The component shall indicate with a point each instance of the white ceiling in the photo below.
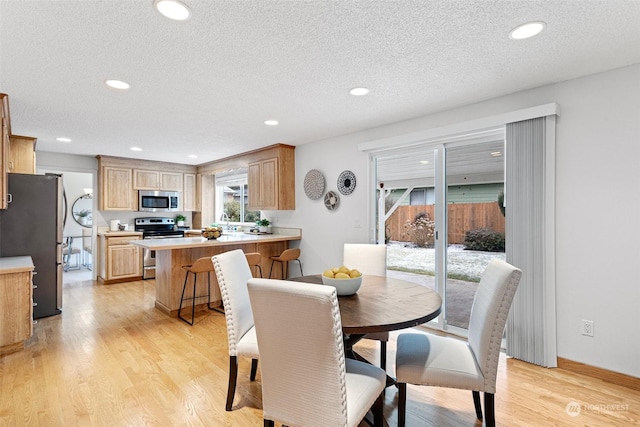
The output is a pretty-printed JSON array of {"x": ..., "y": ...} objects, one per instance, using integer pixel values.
[{"x": 205, "y": 86}]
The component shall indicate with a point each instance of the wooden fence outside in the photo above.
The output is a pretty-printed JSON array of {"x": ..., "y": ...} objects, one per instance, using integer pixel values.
[{"x": 463, "y": 217}]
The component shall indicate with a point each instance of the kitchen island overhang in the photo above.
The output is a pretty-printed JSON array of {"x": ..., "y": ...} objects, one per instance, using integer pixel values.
[{"x": 172, "y": 254}]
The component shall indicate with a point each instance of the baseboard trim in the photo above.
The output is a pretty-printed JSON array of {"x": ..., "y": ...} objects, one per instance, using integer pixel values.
[{"x": 602, "y": 374}]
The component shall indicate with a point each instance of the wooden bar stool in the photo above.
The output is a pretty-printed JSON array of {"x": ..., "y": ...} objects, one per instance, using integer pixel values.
[
  {"x": 284, "y": 258},
  {"x": 202, "y": 265},
  {"x": 253, "y": 259}
]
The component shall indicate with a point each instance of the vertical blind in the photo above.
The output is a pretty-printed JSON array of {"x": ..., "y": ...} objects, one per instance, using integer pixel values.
[{"x": 529, "y": 200}]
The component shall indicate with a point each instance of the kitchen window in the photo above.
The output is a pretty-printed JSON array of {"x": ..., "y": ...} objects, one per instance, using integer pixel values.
[{"x": 232, "y": 197}]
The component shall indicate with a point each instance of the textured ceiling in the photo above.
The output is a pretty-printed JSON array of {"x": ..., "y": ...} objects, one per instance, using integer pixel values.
[{"x": 205, "y": 86}]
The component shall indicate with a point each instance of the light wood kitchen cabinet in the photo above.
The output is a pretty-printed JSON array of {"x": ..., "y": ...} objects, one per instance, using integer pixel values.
[
  {"x": 16, "y": 302},
  {"x": 156, "y": 180},
  {"x": 119, "y": 260},
  {"x": 116, "y": 189},
  {"x": 146, "y": 180},
  {"x": 22, "y": 154},
  {"x": 263, "y": 185},
  {"x": 170, "y": 181},
  {"x": 271, "y": 180},
  {"x": 4, "y": 149},
  {"x": 189, "y": 195}
]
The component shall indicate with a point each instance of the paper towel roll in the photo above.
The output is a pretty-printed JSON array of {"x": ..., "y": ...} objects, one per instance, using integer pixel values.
[{"x": 114, "y": 224}]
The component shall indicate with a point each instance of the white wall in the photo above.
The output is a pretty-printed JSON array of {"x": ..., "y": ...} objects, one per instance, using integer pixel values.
[{"x": 598, "y": 206}]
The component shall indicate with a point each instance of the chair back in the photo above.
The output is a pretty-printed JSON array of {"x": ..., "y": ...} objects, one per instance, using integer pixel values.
[
  {"x": 87, "y": 234},
  {"x": 289, "y": 254},
  {"x": 233, "y": 272},
  {"x": 369, "y": 259},
  {"x": 489, "y": 313},
  {"x": 201, "y": 265},
  {"x": 299, "y": 333}
]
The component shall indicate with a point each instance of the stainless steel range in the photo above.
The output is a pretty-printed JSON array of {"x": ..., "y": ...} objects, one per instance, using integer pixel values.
[{"x": 155, "y": 228}]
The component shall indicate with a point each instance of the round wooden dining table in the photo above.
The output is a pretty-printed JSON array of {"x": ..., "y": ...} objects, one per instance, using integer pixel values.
[{"x": 384, "y": 304}]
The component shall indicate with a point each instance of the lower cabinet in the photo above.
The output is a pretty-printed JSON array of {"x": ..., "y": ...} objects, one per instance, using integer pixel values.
[
  {"x": 120, "y": 261},
  {"x": 16, "y": 303}
]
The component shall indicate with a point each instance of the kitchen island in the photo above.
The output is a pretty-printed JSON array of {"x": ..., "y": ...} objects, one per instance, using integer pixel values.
[{"x": 172, "y": 254}]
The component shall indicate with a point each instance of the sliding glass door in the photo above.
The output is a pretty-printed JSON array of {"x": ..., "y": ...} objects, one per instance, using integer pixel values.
[
  {"x": 474, "y": 222},
  {"x": 443, "y": 221}
]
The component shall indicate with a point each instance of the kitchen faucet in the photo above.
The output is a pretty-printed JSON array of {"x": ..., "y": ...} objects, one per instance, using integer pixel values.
[{"x": 225, "y": 217}]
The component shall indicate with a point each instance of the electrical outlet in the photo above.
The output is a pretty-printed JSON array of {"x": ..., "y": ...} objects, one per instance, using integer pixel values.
[{"x": 587, "y": 327}]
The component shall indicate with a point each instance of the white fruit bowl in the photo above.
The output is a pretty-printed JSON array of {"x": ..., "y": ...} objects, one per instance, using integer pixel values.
[{"x": 343, "y": 286}]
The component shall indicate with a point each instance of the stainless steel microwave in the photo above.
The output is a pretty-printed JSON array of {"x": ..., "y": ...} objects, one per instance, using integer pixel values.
[{"x": 158, "y": 201}]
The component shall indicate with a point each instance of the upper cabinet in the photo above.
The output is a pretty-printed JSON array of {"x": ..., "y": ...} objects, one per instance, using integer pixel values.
[
  {"x": 189, "y": 195},
  {"x": 22, "y": 157},
  {"x": 116, "y": 189},
  {"x": 156, "y": 180},
  {"x": 17, "y": 153},
  {"x": 272, "y": 180},
  {"x": 263, "y": 185}
]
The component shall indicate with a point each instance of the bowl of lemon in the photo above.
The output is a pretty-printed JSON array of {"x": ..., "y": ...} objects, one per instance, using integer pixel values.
[
  {"x": 346, "y": 281},
  {"x": 212, "y": 233}
]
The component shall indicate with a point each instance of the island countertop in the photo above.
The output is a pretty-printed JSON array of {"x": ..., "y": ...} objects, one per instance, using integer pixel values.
[
  {"x": 224, "y": 240},
  {"x": 174, "y": 253}
]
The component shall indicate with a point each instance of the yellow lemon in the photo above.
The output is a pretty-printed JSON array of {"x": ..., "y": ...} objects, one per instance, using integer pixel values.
[
  {"x": 343, "y": 269},
  {"x": 328, "y": 273},
  {"x": 342, "y": 276},
  {"x": 355, "y": 273},
  {"x": 335, "y": 270}
]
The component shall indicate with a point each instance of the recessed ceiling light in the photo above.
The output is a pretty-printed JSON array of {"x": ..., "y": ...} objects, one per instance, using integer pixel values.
[
  {"x": 359, "y": 91},
  {"x": 424, "y": 162},
  {"x": 61, "y": 139},
  {"x": 496, "y": 154},
  {"x": 527, "y": 30},
  {"x": 117, "y": 84},
  {"x": 271, "y": 122},
  {"x": 192, "y": 156},
  {"x": 173, "y": 9},
  {"x": 136, "y": 149}
]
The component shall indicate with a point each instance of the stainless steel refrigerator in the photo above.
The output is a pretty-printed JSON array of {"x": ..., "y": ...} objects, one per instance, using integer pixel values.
[{"x": 32, "y": 225}]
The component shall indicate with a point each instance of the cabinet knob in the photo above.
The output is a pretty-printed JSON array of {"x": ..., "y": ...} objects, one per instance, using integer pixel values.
[
  {"x": 35, "y": 304},
  {"x": 35, "y": 286}
]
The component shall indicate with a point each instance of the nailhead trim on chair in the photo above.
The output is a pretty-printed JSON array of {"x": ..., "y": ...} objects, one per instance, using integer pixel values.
[{"x": 228, "y": 314}]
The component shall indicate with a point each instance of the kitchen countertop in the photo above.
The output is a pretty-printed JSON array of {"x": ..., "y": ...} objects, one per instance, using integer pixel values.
[
  {"x": 225, "y": 239},
  {"x": 15, "y": 264},
  {"x": 119, "y": 233}
]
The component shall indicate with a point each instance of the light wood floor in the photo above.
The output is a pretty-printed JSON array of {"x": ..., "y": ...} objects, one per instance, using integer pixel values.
[{"x": 111, "y": 359}]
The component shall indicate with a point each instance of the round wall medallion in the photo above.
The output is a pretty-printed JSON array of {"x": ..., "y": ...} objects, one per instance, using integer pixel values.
[
  {"x": 314, "y": 184},
  {"x": 346, "y": 182},
  {"x": 331, "y": 200}
]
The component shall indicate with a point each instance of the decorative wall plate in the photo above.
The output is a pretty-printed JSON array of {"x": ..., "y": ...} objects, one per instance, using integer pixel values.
[
  {"x": 331, "y": 200},
  {"x": 314, "y": 184},
  {"x": 346, "y": 182}
]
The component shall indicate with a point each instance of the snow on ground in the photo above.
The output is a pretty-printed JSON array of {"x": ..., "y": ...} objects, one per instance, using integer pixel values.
[{"x": 468, "y": 263}]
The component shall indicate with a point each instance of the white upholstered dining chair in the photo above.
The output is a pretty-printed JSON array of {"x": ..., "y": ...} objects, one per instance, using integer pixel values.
[
  {"x": 369, "y": 259},
  {"x": 306, "y": 379},
  {"x": 233, "y": 272},
  {"x": 440, "y": 361}
]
